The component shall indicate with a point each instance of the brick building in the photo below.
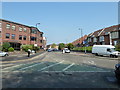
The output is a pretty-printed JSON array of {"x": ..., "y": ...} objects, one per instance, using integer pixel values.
[
  {"x": 79, "y": 41},
  {"x": 18, "y": 34},
  {"x": 105, "y": 36}
]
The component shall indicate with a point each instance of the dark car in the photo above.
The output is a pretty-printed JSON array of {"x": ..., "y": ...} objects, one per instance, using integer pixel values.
[
  {"x": 49, "y": 50},
  {"x": 117, "y": 71}
]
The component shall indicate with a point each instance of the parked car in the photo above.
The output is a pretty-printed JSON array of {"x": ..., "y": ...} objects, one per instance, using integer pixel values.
[
  {"x": 49, "y": 50},
  {"x": 66, "y": 50},
  {"x": 4, "y": 53},
  {"x": 32, "y": 51},
  {"x": 107, "y": 50},
  {"x": 117, "y": 71}
]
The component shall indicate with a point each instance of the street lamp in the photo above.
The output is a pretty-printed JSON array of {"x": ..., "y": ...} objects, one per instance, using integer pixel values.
[
  {"x": 35, "y": 45},
  {"x": 82, "y": 38},
  {"x": 81, "y": 35}
]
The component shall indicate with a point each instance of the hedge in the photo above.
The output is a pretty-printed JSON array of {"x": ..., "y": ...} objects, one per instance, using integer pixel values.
[
  {"x": 88, "y": 49},
  {"x": 10, "y": 49}
]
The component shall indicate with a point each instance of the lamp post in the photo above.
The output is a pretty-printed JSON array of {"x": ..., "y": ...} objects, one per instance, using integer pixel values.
[
  {"x": 35, "y": 45},
  {"x": 81, "y": 35},
  {"x": 82, "y": 38}
]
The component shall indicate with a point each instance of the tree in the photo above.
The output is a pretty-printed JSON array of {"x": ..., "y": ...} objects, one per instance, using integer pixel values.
[
  {"x": 53, "y": 45},
  {"x": 61, "y": 46},
  {"x": 70, "y": 46},
  {"x": 5, "y": 46}
]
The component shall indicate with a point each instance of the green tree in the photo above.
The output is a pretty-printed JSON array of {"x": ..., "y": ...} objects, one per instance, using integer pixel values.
[
  {"x": 70, "y": 46},
  {"x": 61, "y": 46},
  {"x": 5, "y": 46},
  {"x": 53, "y": 45}
]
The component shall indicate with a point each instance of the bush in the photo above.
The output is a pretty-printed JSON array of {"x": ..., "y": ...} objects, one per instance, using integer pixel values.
[
  {"x": 26, "y": 47},
  {"x": 11, "y": 49},
  {"x": 5, "y": 46},
  {"x": 117, "y": 47},
  {"x": 61, "y": 46},
  {"x": 88, "y": 49}
]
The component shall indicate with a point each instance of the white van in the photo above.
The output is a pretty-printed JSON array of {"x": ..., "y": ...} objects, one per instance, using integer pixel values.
[{"x": 105, "y": 50}]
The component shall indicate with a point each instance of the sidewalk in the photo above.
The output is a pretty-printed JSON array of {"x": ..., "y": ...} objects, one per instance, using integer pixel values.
[{"x": 20, "y": 56}]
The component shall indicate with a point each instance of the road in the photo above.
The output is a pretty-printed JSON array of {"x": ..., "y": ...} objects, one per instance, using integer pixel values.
[{"x": 57, "y": 70}]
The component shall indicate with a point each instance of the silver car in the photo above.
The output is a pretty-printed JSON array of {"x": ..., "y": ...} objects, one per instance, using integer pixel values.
[
  {"x": 4, "y": 53},
  {"x": 66, "y": 50}
]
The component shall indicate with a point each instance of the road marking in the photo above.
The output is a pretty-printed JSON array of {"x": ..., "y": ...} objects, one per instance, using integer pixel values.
[
  {"x": 13, "y": 66},
  {"x": 74, "y": 71},
  {"x": 50, "y": 66},
  {"x": 68, "y": 67},
  {"x": 31, "y": 66},
  {"x": 90, "y": 62}
]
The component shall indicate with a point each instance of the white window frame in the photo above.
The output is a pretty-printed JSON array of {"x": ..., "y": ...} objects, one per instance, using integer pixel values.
[
  {"x": 13, "y": 27},
  {"x": 20, "y": 29},
  {"x": 8, "y": 26},
  {"x": 94, "y": 39},
  {"x": 114, "y": 35},
  {"x": 24, "y": 29},
  {"x": 101, "y": 38}
]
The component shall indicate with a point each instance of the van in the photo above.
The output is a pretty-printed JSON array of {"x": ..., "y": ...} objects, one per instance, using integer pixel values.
[{"x": 105, "y": 50}]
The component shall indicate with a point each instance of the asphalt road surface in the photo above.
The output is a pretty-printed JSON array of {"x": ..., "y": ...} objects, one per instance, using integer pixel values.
[{"x": 57, "y": 70}]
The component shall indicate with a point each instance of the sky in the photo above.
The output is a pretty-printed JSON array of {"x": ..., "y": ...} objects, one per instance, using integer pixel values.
[{"x": 60, "y": 21}]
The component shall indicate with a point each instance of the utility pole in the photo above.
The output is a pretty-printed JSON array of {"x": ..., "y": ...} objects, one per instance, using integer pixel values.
[
  {"x": 35, "y": 41},
  {"x": 81, "y": 35},
  {"x": 82, "y": 38}
]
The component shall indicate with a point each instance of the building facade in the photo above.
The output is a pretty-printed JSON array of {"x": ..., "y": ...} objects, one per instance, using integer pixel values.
[
  {"x": 18, "y": 34},
  {"x": 80, "y": 41},
  {"x": 105, "y": 36}
]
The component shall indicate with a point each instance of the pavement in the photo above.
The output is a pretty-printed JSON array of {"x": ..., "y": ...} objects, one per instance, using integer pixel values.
[
  {"x": 19, "y": 56},
  {"x": 54, "y": 69}
]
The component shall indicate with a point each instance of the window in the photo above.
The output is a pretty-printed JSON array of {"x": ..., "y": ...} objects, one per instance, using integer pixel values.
[
  {"x": 89, "y": 39},
  {"x": 20, "y": 37},
  {"x": 8, "y": 26},
  {"x": 114, "y": 35},
  {"x": 41, "y": 41},
  {"x": 13, "y": 27},
  {"x": 24, "y": 38},
  {"x": 33, "y": 38},
  {"x": 34, "y": 31},
  {"x": 13, "y": 36},
  {"x": 94, "y": 39},
  {"x": 20, "y": 29},
  {"x": 41, "y": 35},
  {"x": 24, "y": 29},
  {"x": 101, "y": 39},
  {"x": 7, "y": 35}
]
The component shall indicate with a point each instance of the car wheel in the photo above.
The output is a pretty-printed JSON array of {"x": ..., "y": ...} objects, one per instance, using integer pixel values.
[
  {"x": 96, "y": 54},
  {"x": 111, "y": 55}
]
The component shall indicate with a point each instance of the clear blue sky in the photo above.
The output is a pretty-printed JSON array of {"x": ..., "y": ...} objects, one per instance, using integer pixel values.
[{"x": 60, "y": 21}]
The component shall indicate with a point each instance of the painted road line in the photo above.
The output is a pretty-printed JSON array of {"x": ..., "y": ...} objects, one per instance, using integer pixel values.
[
  {"x": 50, "y": 66},
  {"x": 74, "y": 71},
  {"x": 31, "y": 66},
  {"x": 68, "y": 67},
  {"x": 13, "y": 66}
]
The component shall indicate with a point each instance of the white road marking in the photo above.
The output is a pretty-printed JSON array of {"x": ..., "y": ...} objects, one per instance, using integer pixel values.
[
  {"x": 68, "y": 67},
  {"x": 31, "y": 66},
  {"x": 50, "y": 66},
  {"x": 90, "y": 62},
  {"x": 13, "y": 66},
  {"x": 73, "y": 71}
]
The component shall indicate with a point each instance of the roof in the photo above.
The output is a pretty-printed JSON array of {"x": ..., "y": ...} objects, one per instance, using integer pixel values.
[
  {"x": 80, "y": 40},
  {"x": 19, "y": 24},
  {"x": 104, "y": 31}
]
